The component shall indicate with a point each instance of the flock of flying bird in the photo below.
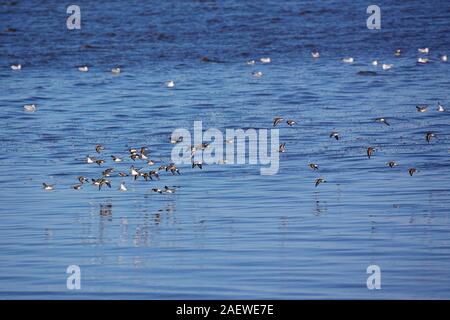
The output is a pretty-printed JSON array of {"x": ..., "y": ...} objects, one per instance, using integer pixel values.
[{"x": 141, "y": 154}]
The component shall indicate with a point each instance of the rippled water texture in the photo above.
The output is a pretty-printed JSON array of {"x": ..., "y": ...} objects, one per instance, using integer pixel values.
[{"x": 227, "y": 232}]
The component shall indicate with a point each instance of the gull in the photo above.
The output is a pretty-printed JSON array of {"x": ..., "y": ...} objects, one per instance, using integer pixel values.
[
  {"x": 115, "y": 70},
  {"x": 422, "y": 108},
  {"x": 347, "y": 60},
  {"x": 122, "y": 187},
  {"x": 424, "y": 50},
  {"x": 265, "y": 60},
  {"x": 170, "y": 84},
  {"x": 90, "y": 159},
  {"x": 315, "y": 54},
  {"x": 47, "y": 187},
  {"x": 257, "y": 74},
  {"x": 83, "y": 69},
  {"x": 444, "y": 58},
  {"x": 422, "y": 60},
  {"x": 440, "y": 108},
  {"x": 375, "y": 62},
  {"x": 387, "y": 66},
  {"x": 251, "y": 62},
  {"x": 29, "y": 107},
  {"x": 16, "y": 66}
]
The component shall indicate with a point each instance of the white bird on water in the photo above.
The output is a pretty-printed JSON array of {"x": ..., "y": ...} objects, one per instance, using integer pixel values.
[
  {"x": 422, "y": 60},
  {"x": 115, "y": 70},
  {"x": 424, "y": 50},
  {"x": 122, "y": 187},
  {"x": 257, "y": 74},
  {"x": 170, "y": 84},
  {"x": 348, "y": 60},
  {"x": 444, "y": 58},
  {"x": 315, "y": 54},
  {"x": 375, "y": 62},
  {"x": 16, "y": 66},
  {"x": 83, "y": 69},
  {"x": 440, "y": 108},
  {"x": 387, "y": 66},
  {"x": 29, "y": 107},
  {"x": 265, "y": 60}
]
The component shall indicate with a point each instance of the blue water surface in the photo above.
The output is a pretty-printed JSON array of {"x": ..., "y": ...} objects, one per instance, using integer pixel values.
[{"x": 227, "y": 232}]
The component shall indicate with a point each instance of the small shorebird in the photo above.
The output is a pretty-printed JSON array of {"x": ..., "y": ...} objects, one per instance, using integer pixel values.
[
  {"x": 77, "y": 186},
  {"x": 83, "y": 69},
  {"x": 168, "y": 190},
  {"x": 429, "y": 136},
  {"x": 122, "y": 187},
  {"x": 101, "y": 182},
  {"x": 150, "y": 162},
  {"x": 335, "y": 135},
  {"x": 115, "y": 70},
  {"x": 107, "y": 172},
  {"x": 423, "y": 60},
  {"x": 99, "y": 148},
  {"x": 173, "y": 168},
  {"x": 392, "y": 164},
  {"x": 347, "y": 60},
  {"x": 198, "y": 164},
  {"x": 176, "y": 140},
  {"x": 99, "y": 161},
  {"x": 424, "y": 50},
  {"x": 82, "y": 179},
  {"x": 315, "y": 54},
  {"x": 313, "y": 166},
  {"x": 16, "y": 67},
  {"x": 122, "y": 174},
  {"x": 265, "y": 60},
  {"x": 47, "y": 187},
  {"x": 387, "y": 66},
  {"x": 116, "y": 159},
  {"x": 422, "y": 108},
  {"x": 370, "y": 151},
  {"x": 157, "y": 190},
  {"x": 319, "y": 181},
  {"x": 134, "y": 156},
  {"x": 291, "y": 122},
  {"x": 382, "y": 120},
  {"x": 170, "y": 84},
  {"x": 397, "y": 52},
  {"x": 135, "y": 172},
  {"x": 277, "y": 121},
  {"x": 411, "y": 171},
  {"x": 257, "y": 74},
  {"x": 440, "y": 107},
  {"x": 29, "y": 107},
  {"x": 282, "y": 147},
  {"x": 154, "y": 173}
]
